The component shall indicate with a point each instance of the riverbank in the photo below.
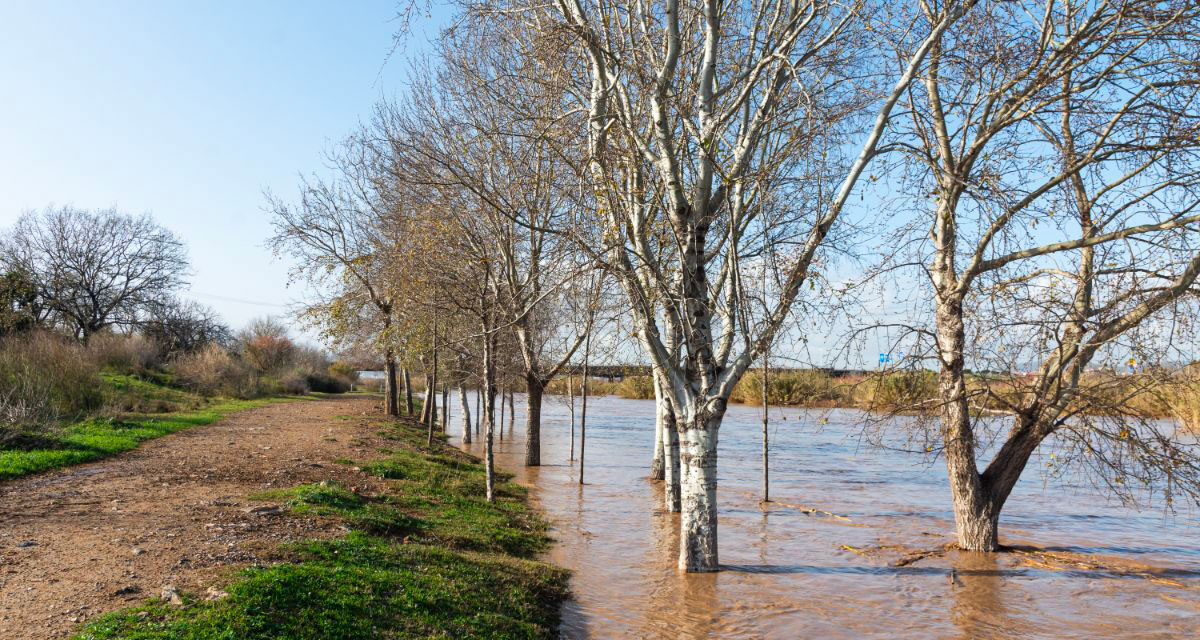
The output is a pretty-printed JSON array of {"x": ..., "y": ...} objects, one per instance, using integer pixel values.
[
  {"x": 423, "y": 555},
  {"x": 1145, "y": 395}
]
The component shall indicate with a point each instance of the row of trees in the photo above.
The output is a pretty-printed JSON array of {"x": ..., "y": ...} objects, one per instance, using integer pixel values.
[{"x": 705, "y": 176}]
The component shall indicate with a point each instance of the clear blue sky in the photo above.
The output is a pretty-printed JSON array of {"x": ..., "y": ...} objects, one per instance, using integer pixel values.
[{"x": 189, "y": 110}]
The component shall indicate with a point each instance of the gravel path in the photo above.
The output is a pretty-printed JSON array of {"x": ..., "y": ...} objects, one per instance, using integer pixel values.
[{"x": 170, "y": 515}]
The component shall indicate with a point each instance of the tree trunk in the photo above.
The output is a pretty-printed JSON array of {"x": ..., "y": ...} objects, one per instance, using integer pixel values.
[
  {"x": 533, "y": 421},
  {"x": 571, "y": 396},
  {"x": 512, "y": 411},
  {"x": 665, "y": 414},
  {"x": 489, "y": 413},
  {"x": 445, "y": 407},
  {"x": 583, "y": 410},
  {"x": 429, "y": 411},
  {"x": 478, "y": 410},
  {"x": 466, "y": 414},
  {"x": 408, "y": 394},
  {"x": 391, "y": 402},
  {"x": 672, "y": 474},
  {"x": 656, "y": 461},
  {"x": 698, "y": 519},
  {"x": 974, "y": 516},
  {"x": 500, "y": 425},
  {"x": 766, "y": 401}
]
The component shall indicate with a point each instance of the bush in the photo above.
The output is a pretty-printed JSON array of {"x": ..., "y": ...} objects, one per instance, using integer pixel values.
[
  {"x": 126, "y": 353},
  {"x": 327, "y": 383},
  {"x": 637, "y": 387},
  {"x": 804, "y": 387},
  {"x": 265, "y": 345},
  {"x": 904, "y": 389},
  {"x": 44, "y": 378},
  {"x": 214, "y": 371},
  {"x": 295, "y": 383}
]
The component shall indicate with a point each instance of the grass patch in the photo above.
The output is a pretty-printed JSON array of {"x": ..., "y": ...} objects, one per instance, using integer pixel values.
[
  {"x": 429, "y": 558},
  {"x": 100, "y": 437},
  {"x": 362, "y": 587}
]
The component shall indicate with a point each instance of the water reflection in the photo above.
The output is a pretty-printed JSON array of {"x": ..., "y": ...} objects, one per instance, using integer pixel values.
[{"x": 852, "y": 547}]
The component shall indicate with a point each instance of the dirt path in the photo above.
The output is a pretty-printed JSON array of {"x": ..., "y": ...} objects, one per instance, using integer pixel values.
[{"x": 174, "y": 512}]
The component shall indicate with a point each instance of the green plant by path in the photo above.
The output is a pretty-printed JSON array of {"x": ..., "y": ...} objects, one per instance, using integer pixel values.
[{"x": 430, "y": 557}]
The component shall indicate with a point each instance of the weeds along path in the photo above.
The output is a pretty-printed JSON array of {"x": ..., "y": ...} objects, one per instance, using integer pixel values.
[{"x": 171, "y": 514}]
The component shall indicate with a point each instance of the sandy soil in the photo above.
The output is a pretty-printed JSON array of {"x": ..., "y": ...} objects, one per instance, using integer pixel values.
[{"x": 173, "y": 513}]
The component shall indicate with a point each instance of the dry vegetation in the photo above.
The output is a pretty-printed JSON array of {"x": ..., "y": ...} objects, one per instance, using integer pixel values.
[{"x": 49, "y": 380}]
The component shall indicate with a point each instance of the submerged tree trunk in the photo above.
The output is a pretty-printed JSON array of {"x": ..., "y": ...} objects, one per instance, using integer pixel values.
[
  {"x": 512, "y": 411},
  {"x": 391, "y": 402},
  {"x": 766, "y": 401},
  {"x": 698, "y": 489},
  {"x": 583, "y": 410},
  {"x": 466, "y": 414},
  {"x": 665, "y": 415},
  {"x": 500, "y": 425},
  {"x": 533, "y": 420},
  {"x": 656, "y": 460},
  {"x": 408, "y": 394},
  {"x": 974, "y": 516},
  {"x": 478, "y": 411},
  {"x": 571, "y": 405},
  {"x": 671, "y": 471}
]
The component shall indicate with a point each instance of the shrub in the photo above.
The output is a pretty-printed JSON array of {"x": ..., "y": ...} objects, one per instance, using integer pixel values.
[
  {"x": 804, "y": 387},
  {"x": 327, "y": 383},
  {"x": 44, "y": 378},
  {"x": 127, "y": 353},
  {"x": 637, "y": 387},
  {"x": 214, "y": 371},
  {"x": 295, "y": 382},
  {"x": 904, "y": 389},
  {"x": 265, "y": 345}
]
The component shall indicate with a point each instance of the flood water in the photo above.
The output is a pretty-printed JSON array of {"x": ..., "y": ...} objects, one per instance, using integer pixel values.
[{"x": 1104, "y": 571}]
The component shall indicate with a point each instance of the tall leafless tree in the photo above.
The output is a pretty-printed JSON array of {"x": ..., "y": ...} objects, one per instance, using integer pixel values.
[{"x": 96, "y": 269}]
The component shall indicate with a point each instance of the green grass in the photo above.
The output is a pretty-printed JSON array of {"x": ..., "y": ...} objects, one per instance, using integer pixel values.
[
  {"x": 430, "y": 558},
  {"x": 100, "y": 437}
]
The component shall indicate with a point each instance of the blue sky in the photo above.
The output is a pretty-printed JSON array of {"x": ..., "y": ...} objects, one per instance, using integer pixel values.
[{"x": 189, "y": 111}]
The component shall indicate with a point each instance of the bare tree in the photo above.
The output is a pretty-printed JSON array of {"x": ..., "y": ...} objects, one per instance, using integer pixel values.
[
  {"x": 474, "y": 129},
  {"x": 1053, "y": 152},
  {"x": 695, "y": 111},
  {"x": 183, "y": 326},
  {"x": 339, "y": 229},
  {"x": 95, "y": 269}
]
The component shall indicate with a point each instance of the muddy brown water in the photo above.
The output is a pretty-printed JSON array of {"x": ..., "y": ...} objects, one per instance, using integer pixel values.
[{"x": 856, "y": 566}]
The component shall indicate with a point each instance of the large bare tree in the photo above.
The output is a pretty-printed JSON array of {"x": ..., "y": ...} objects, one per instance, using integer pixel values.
[
  {"x": 95, "y": 269},
  {"x": 695, "y": 112},
  {"x": 1053, "y": 163}
]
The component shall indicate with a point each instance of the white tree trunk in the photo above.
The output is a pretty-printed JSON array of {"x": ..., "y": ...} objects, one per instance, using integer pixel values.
[
  {"x": 466, "y": 415},
  {"x": 698, "y": 487},
  {"x": 657, "y": 472}
]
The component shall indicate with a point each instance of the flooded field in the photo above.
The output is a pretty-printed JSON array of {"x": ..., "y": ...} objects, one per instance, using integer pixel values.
[{"x": 852, "y": 546}]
